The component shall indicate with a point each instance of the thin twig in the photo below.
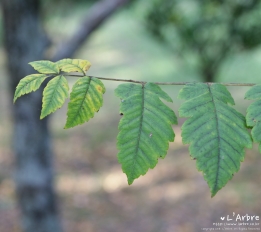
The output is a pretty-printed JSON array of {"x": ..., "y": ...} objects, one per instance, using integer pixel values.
[{"x": 162, "y": 83}]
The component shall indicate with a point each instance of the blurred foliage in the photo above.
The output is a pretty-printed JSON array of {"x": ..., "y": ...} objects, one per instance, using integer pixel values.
[
  {"x": 54, "y": 2},
  {"x": 207, "y": 30},
  {"x": 49, "y": 5},
  {"x": 57, "y": 8}
]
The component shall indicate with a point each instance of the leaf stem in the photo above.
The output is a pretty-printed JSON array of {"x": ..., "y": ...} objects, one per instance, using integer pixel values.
[{"x": 161, "y": 83}]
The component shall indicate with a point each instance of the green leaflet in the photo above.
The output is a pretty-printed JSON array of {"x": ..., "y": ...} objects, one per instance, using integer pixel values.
[
  {"x": 45, "y": 66},
  {"x": 29, "y": 84},
  {"x": 145, "y": 128},
  {"x": 253, "y": 116},
  {"x": 85, "y": 99},
  {"x": 74, "y": 65},
  {"x": 54, "y": 95},
  {"x": 216, "y": 132}
]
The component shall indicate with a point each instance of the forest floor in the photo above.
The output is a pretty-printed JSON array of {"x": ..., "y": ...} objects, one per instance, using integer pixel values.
[{"x": 93, "y": 192}]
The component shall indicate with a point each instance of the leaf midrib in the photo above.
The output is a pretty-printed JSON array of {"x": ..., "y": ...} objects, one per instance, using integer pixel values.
[
  {"x": 30, "y": 82},
  {"x": 50, "y": 68},
  {"x": 83, "y": 99},
  {"x": 218, "y": 133},
  {"x": 54, "y": 91},
  {"x": 140, "y": 129}
]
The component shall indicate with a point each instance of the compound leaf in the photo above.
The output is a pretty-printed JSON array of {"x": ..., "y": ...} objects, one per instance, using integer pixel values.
[
  {"x": 74, "y": 65},
  {"x": 54, "y": 95},
  {"x": 45, "y": 66},
  {"x": 253, "y": 116},
  {"x": 216, "y": 132},
  {"x": 29, "y": 84},
  {"x": 145, "y": 128},
  {"x": 85, "y": 99}
]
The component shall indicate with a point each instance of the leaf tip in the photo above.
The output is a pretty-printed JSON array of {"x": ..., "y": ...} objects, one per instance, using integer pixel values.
[
  {"x": 130, "y": 181},
  {"x": 69, "y": 125},
  {"x": 42, "y": 116},
  {"x": 213, "y": 194},
  {"x": 66, "y": 126}
]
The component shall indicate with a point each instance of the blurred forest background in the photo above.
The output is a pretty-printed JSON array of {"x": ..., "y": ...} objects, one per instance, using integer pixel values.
[{"x": 159, "y": 40}]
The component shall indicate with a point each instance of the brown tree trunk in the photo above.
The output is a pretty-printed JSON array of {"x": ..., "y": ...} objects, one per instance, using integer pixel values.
[{"x": 25, "y": 42}]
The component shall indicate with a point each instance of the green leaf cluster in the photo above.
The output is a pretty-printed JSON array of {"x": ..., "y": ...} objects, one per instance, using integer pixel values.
[
  {"x": 216, "y": 132},
  {"x": 85, "y": 98}
]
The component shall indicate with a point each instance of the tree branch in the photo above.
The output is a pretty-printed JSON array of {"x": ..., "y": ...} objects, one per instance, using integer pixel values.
[
  {"x": 160, "y": 83},
  {"x": 97, "y": 14}
]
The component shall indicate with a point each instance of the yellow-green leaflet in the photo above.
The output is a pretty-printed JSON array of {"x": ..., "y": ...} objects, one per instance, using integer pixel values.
[
  {"x": 86, "y": 98},
  {"x": 74, "y": 65},
  {"x": 54, "y": 95},
  {"x": 29, "y": 84},
  {"x": 45, "y": 67}
]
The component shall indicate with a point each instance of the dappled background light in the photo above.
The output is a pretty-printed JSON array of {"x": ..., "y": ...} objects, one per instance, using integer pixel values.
[{"x": 93, "y": 192}]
